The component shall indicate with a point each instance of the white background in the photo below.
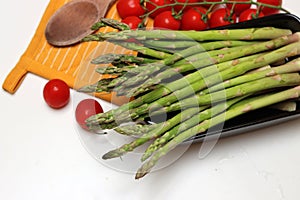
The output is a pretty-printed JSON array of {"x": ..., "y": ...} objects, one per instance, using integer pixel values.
[{"x": 42, "y": 157}]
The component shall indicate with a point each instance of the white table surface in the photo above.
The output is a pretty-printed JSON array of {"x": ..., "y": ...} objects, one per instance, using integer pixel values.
[{"x": 42, "y": 156}]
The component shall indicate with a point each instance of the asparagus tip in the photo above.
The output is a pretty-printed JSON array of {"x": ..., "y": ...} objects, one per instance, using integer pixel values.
[
  {"x": 86, "y": 89},
  {"x": 141, "y": 174},
  {"x": 112, "y": 154}
]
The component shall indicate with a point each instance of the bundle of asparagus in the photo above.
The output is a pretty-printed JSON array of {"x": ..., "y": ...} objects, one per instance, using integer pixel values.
[{"x": 197, "y": 79}]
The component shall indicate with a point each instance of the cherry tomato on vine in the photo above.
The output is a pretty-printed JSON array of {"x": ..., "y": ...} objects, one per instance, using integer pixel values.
[
  {"x": 221, "y": 17},
  {"x": 166, "y": 20},
  {"x": 85, "y": 109},
  {"x": 178, "y": 8},
  {"x": 267, "y": 10},
  {"x": 127, "y": 8},
  {"x": 192, "y": 19},
  {"x": 238, "y": 7},
  {"x": 249, "y": 14},
  {"x": 152, "y": 4},
  {"x": 132, "y": 21},
  {"x": 56, "y": 93}
]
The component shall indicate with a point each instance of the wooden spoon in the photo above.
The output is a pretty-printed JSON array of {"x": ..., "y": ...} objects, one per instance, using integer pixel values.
[{"x": 73, "y": 21}]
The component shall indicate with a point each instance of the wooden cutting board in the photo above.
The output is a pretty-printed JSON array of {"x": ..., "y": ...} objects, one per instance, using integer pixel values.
[{"x": 71, "y": 64}]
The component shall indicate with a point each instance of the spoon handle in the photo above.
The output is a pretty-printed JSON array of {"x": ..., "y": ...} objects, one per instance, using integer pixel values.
[{"x": 104, "y": 5}]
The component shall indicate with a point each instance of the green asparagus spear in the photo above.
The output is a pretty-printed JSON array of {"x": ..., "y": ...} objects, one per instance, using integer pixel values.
[
  {"x": 201, "y": 60},
  {"x": 240, "y": 108},
  {"x": 155, "y": 95},
  {"x": 100, "y": 86},
  {"x": 103, "y": 22},
  {"x": 197, "y": 61},
  {"x": 196, "y": 119},
  {"x": 290, "y": 67},
  {"x": 182, "y": 93},
  {"x": 120, "y": 58},
  {"x": 155, "y": 132},
  {"x": 207, "y": 46},
  {"x": 136, "y": 129},
  {"x": 229, "y": 93},
  {"x": 208, "y": 35},
  {"x": 194, "y": 62},
  {"x": 239, "y": 69},
  {"x": 111, "y": 84}
]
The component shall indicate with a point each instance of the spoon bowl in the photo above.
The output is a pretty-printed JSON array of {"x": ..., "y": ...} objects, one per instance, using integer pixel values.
[{"x": 73, "y": 21}]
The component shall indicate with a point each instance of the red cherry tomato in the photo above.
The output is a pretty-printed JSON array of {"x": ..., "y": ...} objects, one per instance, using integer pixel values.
[
  {"x": 127, "y": 8},
  {"x": 56, "y": 93},
  {"x": 267, "y": 10},
  {"x": 192, "y": 19},
  {"x": 165, "y": 20},
  {"x": 152, "y": 4},
  {"x": 250, "y": 14},
  {"x": 180, "y": 7},
  {"x": 85, "y": 109},
  {"x": 238, "y": 8},
  {"x": 132, "y": 21},
  {"x": 221, "y": 17}
]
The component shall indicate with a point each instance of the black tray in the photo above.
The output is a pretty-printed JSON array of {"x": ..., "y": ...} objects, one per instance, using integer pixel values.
[{"x": 266, "y": 116}]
